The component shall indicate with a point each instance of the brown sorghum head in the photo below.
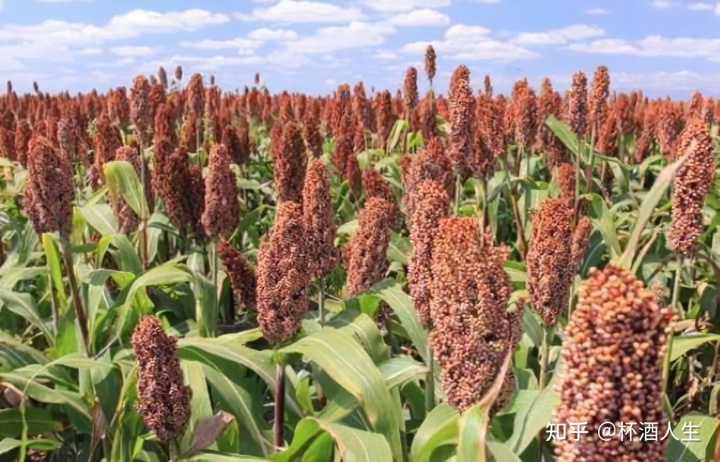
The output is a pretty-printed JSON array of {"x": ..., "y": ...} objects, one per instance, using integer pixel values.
[
  {"x": 311, "y": 135},
  {"x": 691, "y": 183},
  {"x": 488, "y": 88},
  {"x": 549, "y": 268},
  {"x": 23, "y": 133},
  {"x": 7, "y": 144},
  {"x": 616, "y": 341},
  {"x": 221, "y": 196},
  {"x": 318, "y": 219},
  {"x": 577, "y": 104},
  {"x": 242, "y": 275},
  {"x": 462, "y": 114},
  {"x": 178, "y": 72},
  {"x": 231, "y": 141},
  {"x": 163, "y": 398},
  {"x": 283, "y": 275},
  {"x": 581, "y": 236},
  {"x": 376, "y": 185},
  {"x": 598, "y": 107},
  {"x": 647, "y": 134},
  {"x": 608, "y": 136},
  {"x": 430, "y": 63},
  {"x": 384, "y": 118},
  {"x": 410, "y": 91},
  {"x": 430, "y": 207},
  {"x": 178, "y": 185},
  {"x": 162, "y": 77},
  {"x": 49, "y": 190},
  {"x": 290, "y": 164},
  {"x": 472, "y": 329},
  {"x": 524, "y": 113},
  {"x": 141, "y": 112},
  {"x": 428, "y": 164},
  {"x": 369, "y": 246},
  {"x": 343, "y": 145},
  {"x": 107, "y": 141},
  {"x": 564, "y": 177},
  {"x": 670, "y": 124},
  {"x": 195, "y": 102}
]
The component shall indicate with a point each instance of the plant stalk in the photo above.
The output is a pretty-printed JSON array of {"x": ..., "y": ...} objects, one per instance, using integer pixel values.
[
  {"x": 545, "y": 355},
  {"x": 321, "y": 301},
  {"x": 430, "y": 382},
  {"x": 143, "y": 230},
  {"x": 279, "y": 422},
  {"x": 80, "y": 316},
  {"x": 519, "y": 228},
  {"x": 458, "y": 191}
]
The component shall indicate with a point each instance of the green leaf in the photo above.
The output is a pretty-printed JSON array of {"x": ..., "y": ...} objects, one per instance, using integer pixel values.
[
  {"x": 354, "y": 445},
  {"x": 399, "y": 370},
  {"x": 10, "y": 444},
  {"x": 223, "y": 357},
  {"x": 404, "y": 308},
  {"x": 100, "y": 217},
  {"x": 532, "y": 418},
  {"x": 501, "y": 453},
  {"x": 213, "y": 456},
  {"x": 564, "y": 134},
  {"x": 122, "y": 180},
  {"x": 24, "y": 306},
  {"x": 472, "y": 429},
  {"x": 351, "y": 367},
  {"x": 649, "y": 202},
  {"x": 72, "y": 401},
  {"x": 37, "y": 420},
  {"x": 693, "y": 426},
  {"x": 52, "y": 255},
  {"x": 241, "y": 403},
  {"x": 440, "y": 428},
  {"x": 681, "y": 345}
]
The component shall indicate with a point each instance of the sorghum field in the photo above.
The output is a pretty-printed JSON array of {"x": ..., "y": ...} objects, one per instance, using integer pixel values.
[{"x": 189, "y": 274}]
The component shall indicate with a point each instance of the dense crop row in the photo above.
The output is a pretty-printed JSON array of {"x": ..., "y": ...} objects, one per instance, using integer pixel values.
[{"x": 193, "y": 274}]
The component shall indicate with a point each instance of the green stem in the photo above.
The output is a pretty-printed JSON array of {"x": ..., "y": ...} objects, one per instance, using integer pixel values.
[
  {"x": 519, "y": 228},
  {"x": 321, "y": 302},
  {"x": 545, "y": 355},
  {"x": 143, "y": 230},
  {"x": 279, "y": 422},
  {"x": 216, "y": 298},
  {"x": 430, "y": 382},
  {"x": 173, "y": 450},
  {"x": 458, "y": 191},
  {"x": 80, "y": 316}
]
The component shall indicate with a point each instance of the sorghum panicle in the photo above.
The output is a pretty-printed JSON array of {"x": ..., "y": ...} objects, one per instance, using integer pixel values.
[
  {"x": 221, "y": 196},
  {"x": 242, "y": 275},
  {"x": 692, "y": 182},
  {"x": 617, "y": 338},
  {"x": 431, "y": 206},
  {"x": 163, "y": 398},
  {"x": 282, "y": 275},
  {"x": 369, "y": 246},
  {"x": 318, "y": 219},
  {"x": 472, "y": 328}
]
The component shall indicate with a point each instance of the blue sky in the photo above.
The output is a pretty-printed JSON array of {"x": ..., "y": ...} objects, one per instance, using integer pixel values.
[{"x": 665, "y": 47}]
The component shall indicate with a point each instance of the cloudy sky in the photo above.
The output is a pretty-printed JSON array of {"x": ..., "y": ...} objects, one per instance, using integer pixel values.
[{"x": 662, "y": 46}]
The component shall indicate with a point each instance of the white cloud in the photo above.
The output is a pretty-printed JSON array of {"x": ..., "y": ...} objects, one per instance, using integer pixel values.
[
  {"x": 265, "y": 34},
  {"x": 301, "y": 11},
  {"x": 207, "y": 44},
  {"x": 462, "y": 32},
  {"x": 131, "y": 51},
  {"x": 331, "y": 82},
  {"x": 64, "y": 1},
  {"x": 596, "y": 11},
  {"x": 717, "y": 9},
  {"x": 471, "y": 43},
  {"x": 701, "y": 6},
  {"x": 654, "y": 45},
  {"x": 488, "y": 1},
  {"x": 662, "y": 4},
  {"x": 559, "y": 36},
  {"x": 130, "y": 24},
  {"x": 665, "y": 82},
  {"x": 423, "y": 17},
  {"x": 385, "y": 56},
  {"x": 329, "y": 39},
  {"x": 396, "y": 6}
]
